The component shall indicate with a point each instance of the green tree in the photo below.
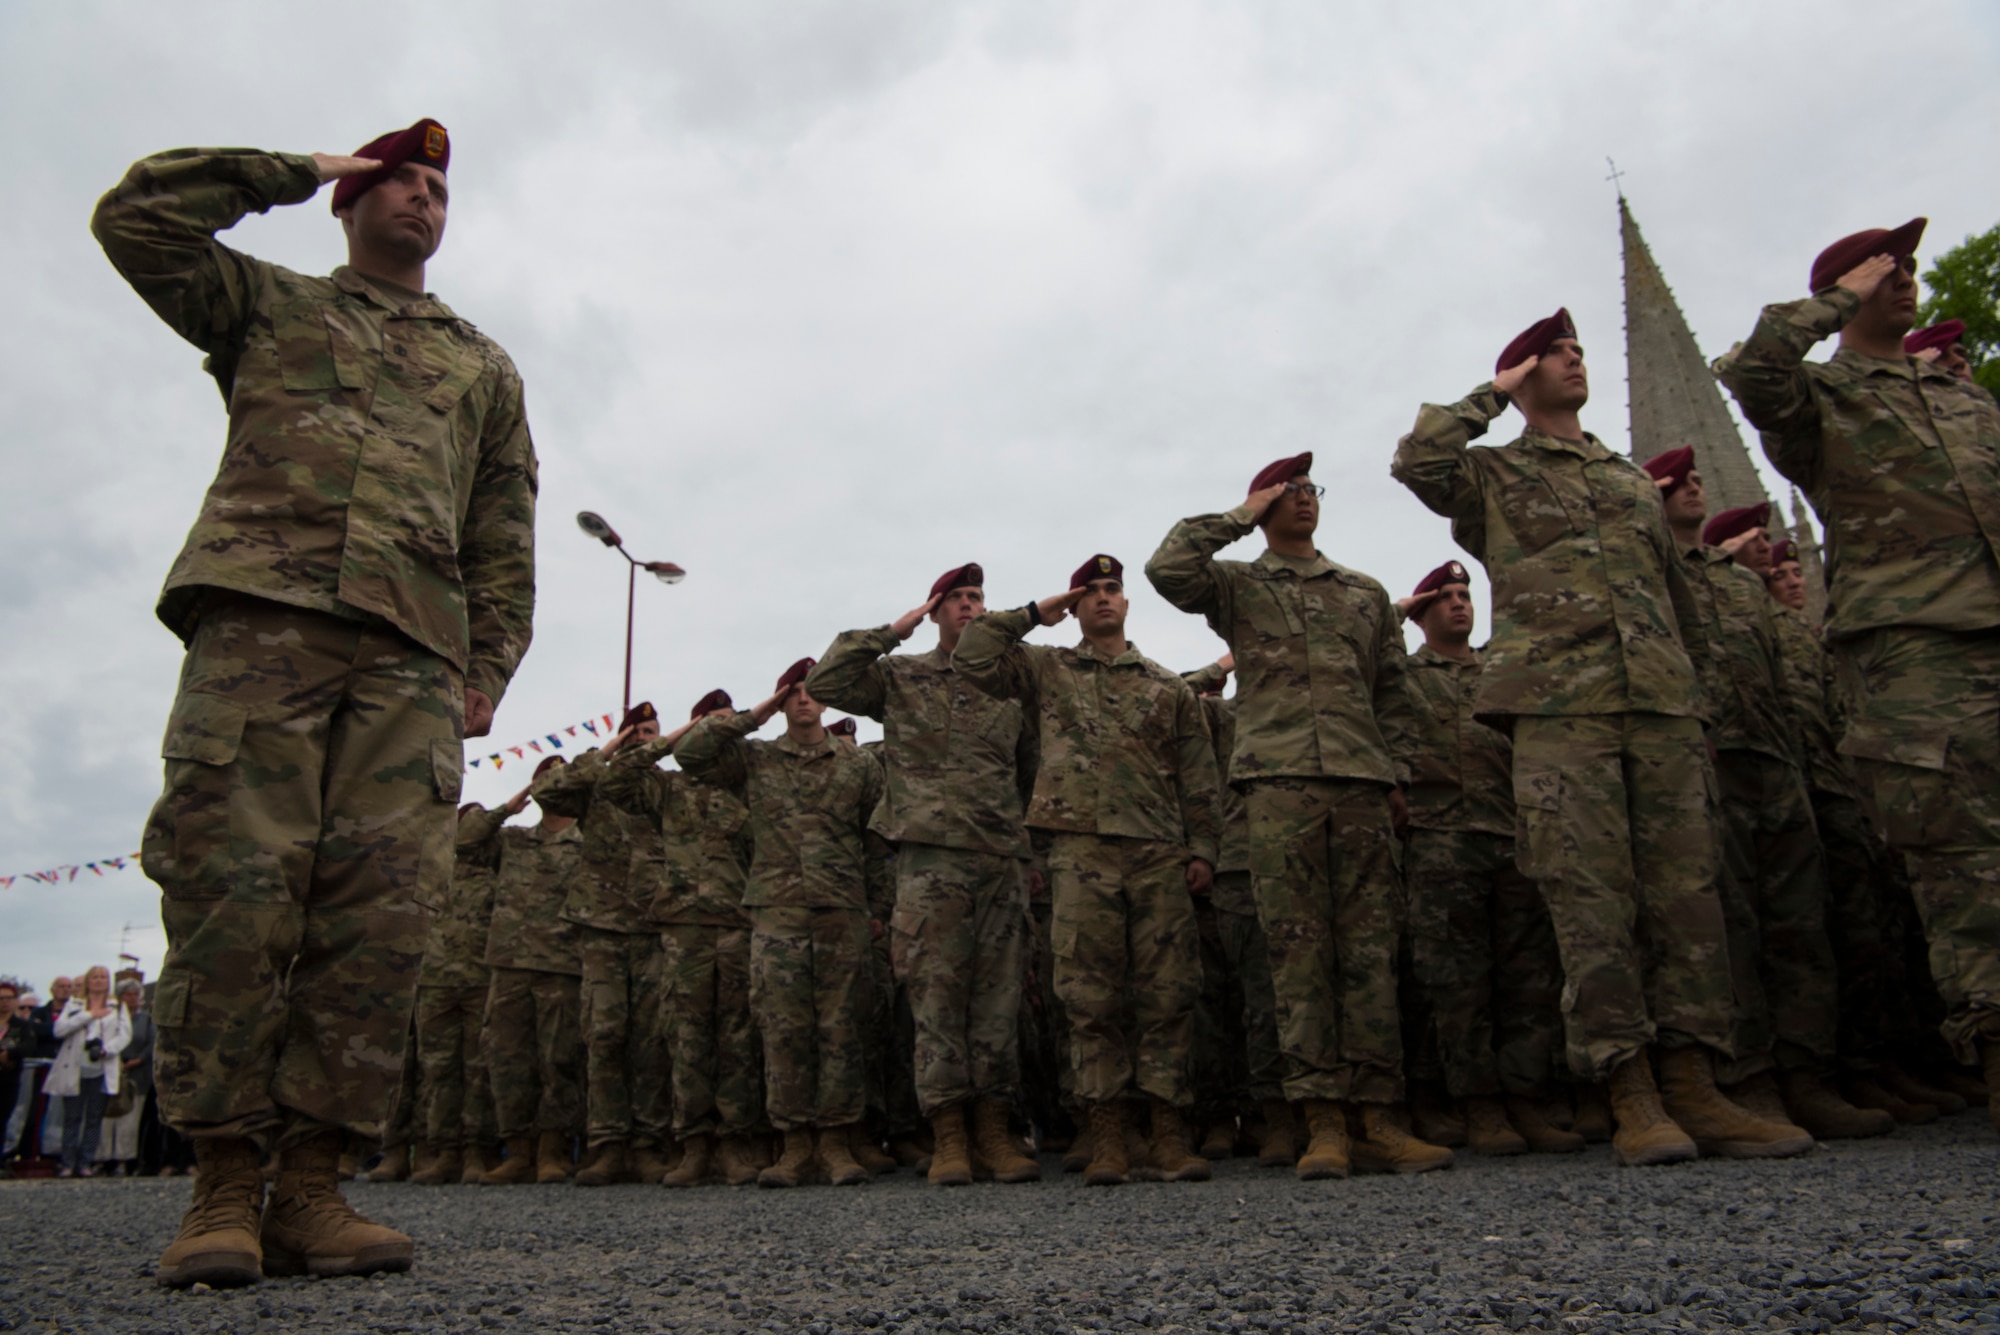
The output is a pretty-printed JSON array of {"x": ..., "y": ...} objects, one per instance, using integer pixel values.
[{"x": 1964, "y": 284}]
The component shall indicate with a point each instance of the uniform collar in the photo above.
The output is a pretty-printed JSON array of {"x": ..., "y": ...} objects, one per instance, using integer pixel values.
[
  {"x": 1271, "y": 563},
  {"x": 785, "y": 743},
  {"x": 360, "y": 285},
  {"x": 1590, "y": 447},
  {"x": 1426, "y": 654},
  {"x": 938, "y": 658},
  {"x": 1085, "y": 649}
]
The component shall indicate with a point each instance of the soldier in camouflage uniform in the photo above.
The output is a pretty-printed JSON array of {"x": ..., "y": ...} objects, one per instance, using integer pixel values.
[
  {"x": 454, "y": 1112},
  {"x": 533, "y": 1039},
  {"x": 1590, "y": 667},
  {"x": 1902, "y": 463},
  {"x": 1482, "y": 945},
  {"x": 816, "y": 890},
  {"x": 626, "y": 1082},
  {"x": 1322, "y": 731},
  {"x": 705, "y": 939},
  {"x": 959, "y": 766},
  {"x": 1246, "y": 956},
  {"x": 1127, "y": 789},
  {"x": 355, "y": 595}
]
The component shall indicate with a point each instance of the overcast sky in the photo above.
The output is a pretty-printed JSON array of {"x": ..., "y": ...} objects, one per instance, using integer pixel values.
[{"x": 821, "y": 299}]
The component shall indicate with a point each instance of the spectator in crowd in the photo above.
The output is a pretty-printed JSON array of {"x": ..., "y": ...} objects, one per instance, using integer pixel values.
[
  {"x": 118, "y": 1149},
  {"x": 93, "y": 1029},
  {"x": 17, "y": 1044}
]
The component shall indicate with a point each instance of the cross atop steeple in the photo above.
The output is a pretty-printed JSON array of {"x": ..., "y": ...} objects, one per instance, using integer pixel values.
[{"x": 1617, "y": 178}]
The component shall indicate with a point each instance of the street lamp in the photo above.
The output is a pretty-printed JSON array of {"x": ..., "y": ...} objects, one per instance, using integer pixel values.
[{"x": 664, "y": 571}]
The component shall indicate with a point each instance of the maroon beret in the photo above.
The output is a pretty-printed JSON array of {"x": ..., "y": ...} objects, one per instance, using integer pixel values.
[
  {"x": 469, "y": 806},
  {"x": 971, "y": 575},
  {"x": 1099, "y": 566},
  {"x": 708, "y": 704},
  {"x": 1740, "y": 520},
  {"x": 548, "y": 763},
  {"x": 1844, "y": 254},
  {"x": 1940, "y": 335},
  {"x": 1535, "y": 339},
  {"x": 1783, "y": 550},
  {"x": 1451, "y": 572},
  {"x": 796, "y": 673},
  {"x": 424, "y": 142},
  {"x": 1671, "y": 467},
  {"x": 643, "y": 712},
  {"x": 842, "y": 727},
  {"x": 1283, "y": 470}
]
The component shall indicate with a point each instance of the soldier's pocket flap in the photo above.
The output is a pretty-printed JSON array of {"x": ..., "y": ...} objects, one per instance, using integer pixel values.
[
  {"x": 448, "y": 768},
  {"x": 170, "y": 1000},
  {"x": 906, "y": 921},
  {"x": 206, "y": 729},
  {"x": 1919, "y": 745},
  {"x": 452, "y": 388},
  {"x": 1538, "y": 789},
  {"x": 1062, "y": 938}
]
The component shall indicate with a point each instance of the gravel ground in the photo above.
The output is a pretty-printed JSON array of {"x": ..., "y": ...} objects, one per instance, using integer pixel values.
[{"x": 1889, "y": 1235}]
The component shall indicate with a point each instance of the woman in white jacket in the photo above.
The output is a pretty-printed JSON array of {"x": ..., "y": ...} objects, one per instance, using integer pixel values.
[{"x": 93, "y": 1029}]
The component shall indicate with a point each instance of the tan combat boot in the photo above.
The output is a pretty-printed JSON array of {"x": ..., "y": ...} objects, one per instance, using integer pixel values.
[
  {"x": 1487, "y": 1130},
  {"x": 1646, "y": 1135},
  {"x": 1386, "y": 1145},
  {"x": 1811, "y": 1103},
  {"x": 446, "y": 1165},
  {"x": 692, "y": 1170},
  {"x": 1864, "y": 1089},
  {"x": 1526, "y": 1116},
  {"x": 479, "y": 1161},
  {"x": 1109, "y": 1165},
  {"x": 395, "y": 1165},
  {"x": 994, "y": 1148},
  {"x": 650, "y": 1165},
  {"x": 1719, "y": 1127},
  {"x": 217, "y": 1244},
  {"x": 553, "y": 1163},
  {"x": 310, "y": 1229},
  {"x": 951, "y": 1157},
  {"x": 1218, "y": 1139},
  {"x": 1077, "y": 1157},
  {"x": 518, "y": 1168},
  {"x": 1962, "y": 1081},
  {"x": 793, "y": 1164},
  {"x": 836, "y": 1156},
  {"x": 350, "y": 1164},
  {"x": 909, "y": 1154},
  {"x": 1327, "y": 1148},
  {"x": 737, "y": 1161},
  {"x": 1280, "y": 1146},
  {"x": 868, "y": 1151},
  {"x": 1915, "y": 1089},
  {"x": 1433, "y": 1115},
  {"x": 1169, "y": 1155},
  {"x": 610, "y": 1165},
  {"x": 1593, "y": 1120}
]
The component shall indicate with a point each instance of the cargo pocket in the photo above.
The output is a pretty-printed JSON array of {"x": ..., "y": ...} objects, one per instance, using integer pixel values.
[
  {"x": 905, "y": 927},
  {"x": 206, "y": 729},
  {"x": 448, "y": 769},
  {"x": 1534, "y": 514},
  {"x": 1538, "y": 840},
  {"x": 1903, "y": 785},
  {"x": 170, "y": 1000},
  {"x": 187, "y": 847}
]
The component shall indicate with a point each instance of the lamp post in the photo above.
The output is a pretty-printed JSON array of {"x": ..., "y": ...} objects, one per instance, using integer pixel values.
[{"x": 664, "y": 571}]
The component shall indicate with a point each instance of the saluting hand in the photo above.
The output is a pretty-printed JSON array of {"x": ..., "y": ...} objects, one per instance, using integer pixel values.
[
  {"x": 766, "y": 708},
  {"x": 1414, "y": 605},
  {"x": 518, "y": 802},
  {"x": 1510, "y": 379},
  {"x": 1865, "y": 277},
  {"x": 1264, "y": 498},
  {"x": 1928, "y": 355},
  {"x": 1227, "y": 662},
  {"x": 906, "y": 625},
  {"x": 1055, "y": 609},
  {"x": 624, "y": 736},
  {"x": 333, "y": 166}
]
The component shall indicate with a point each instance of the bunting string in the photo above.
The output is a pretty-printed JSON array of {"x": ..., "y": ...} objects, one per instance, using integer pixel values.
[
  {"x": 549, "y": 743},
  {"x": 69, "y": 871}
]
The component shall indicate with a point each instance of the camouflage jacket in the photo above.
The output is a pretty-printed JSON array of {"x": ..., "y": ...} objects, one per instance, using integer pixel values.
[
  {"x": 1319, "y": 655},
  {"x": 612, "y": 889},
  {"x": 529, "y": 931},
  {"x": 704, "y": 842},
  {"x": 1901, "y": 461},
  {"x": 1462, "y": 772},
  {"x": 1125, "y": 749},
  {"x": 1592, "y": 613},
  {"x": 455, "y": 951},
  {"x": 810, "y": 808},
  {"x": 1809, "y": 696},
  {"x": 1744, "y": 678},
  {"x": 378, "y": 459},
  {"x": 1220, "y": 714},
  {"x": 959, "y": 764}
]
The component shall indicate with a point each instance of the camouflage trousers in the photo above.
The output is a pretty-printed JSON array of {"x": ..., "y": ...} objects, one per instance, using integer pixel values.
[
  {"x": 1248, "y": 955},
  {"x": 890, "y": 1035},
  {"x": 1324, "y": 865},
  {"x": 1873, "y": 925},
  {"x": 301, "y": 844},
  {"x": 808, "y": 990},
  {"x": 1219, "y": 1072},
  {"x": 1773, "y": 891},
  {"x": 1483, "y": 952},
  {"x": 454, "y": 1100},
  {"x": 533, "y": 1044},
  {"x": 957, "y": 936},
  {"x": 1923, "y": 734},
  {"x": 1048, "y": 1085},
  {"x": 1613, "y": 813},
  {"x": 718, "y": 1081},
  {"x": 1127, "y": 964},
  {"x": 401, "y": 1126},
  {"x": 626, "y": 1074}
]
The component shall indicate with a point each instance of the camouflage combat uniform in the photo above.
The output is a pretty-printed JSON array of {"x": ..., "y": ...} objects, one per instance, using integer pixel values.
[
  {"x": 365, "y": 554},
  {"x": 815, "y": 881},
  {"x": 626, "y": 1077},
  {"x": 454, "y": 1101},
  {"x": 1482, "y": 945},
  {"x": 534, "y": 1036},
  {"x": 1127, "y": 790},
  {"x": 1773, "y": 885},
  {"x": 1902, "y": 464},
  {"x": 1588, "y": 668},
  {"x": 704, "y": 936},
  {"x": 958, "y": 767},
  {"x": 1322, "y": 723}
]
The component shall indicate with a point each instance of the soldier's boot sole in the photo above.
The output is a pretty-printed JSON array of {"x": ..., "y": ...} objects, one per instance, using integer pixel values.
[
  {"x": 384, "y": 1257},
  {"x": 1487, "y": 1130},
  {"x": 220, "y": 1268},
  {"x": 1219, "y": 1141},
  {"x": 1911, "y": 1089},
  {"x": 1644, "y": 1151}
]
